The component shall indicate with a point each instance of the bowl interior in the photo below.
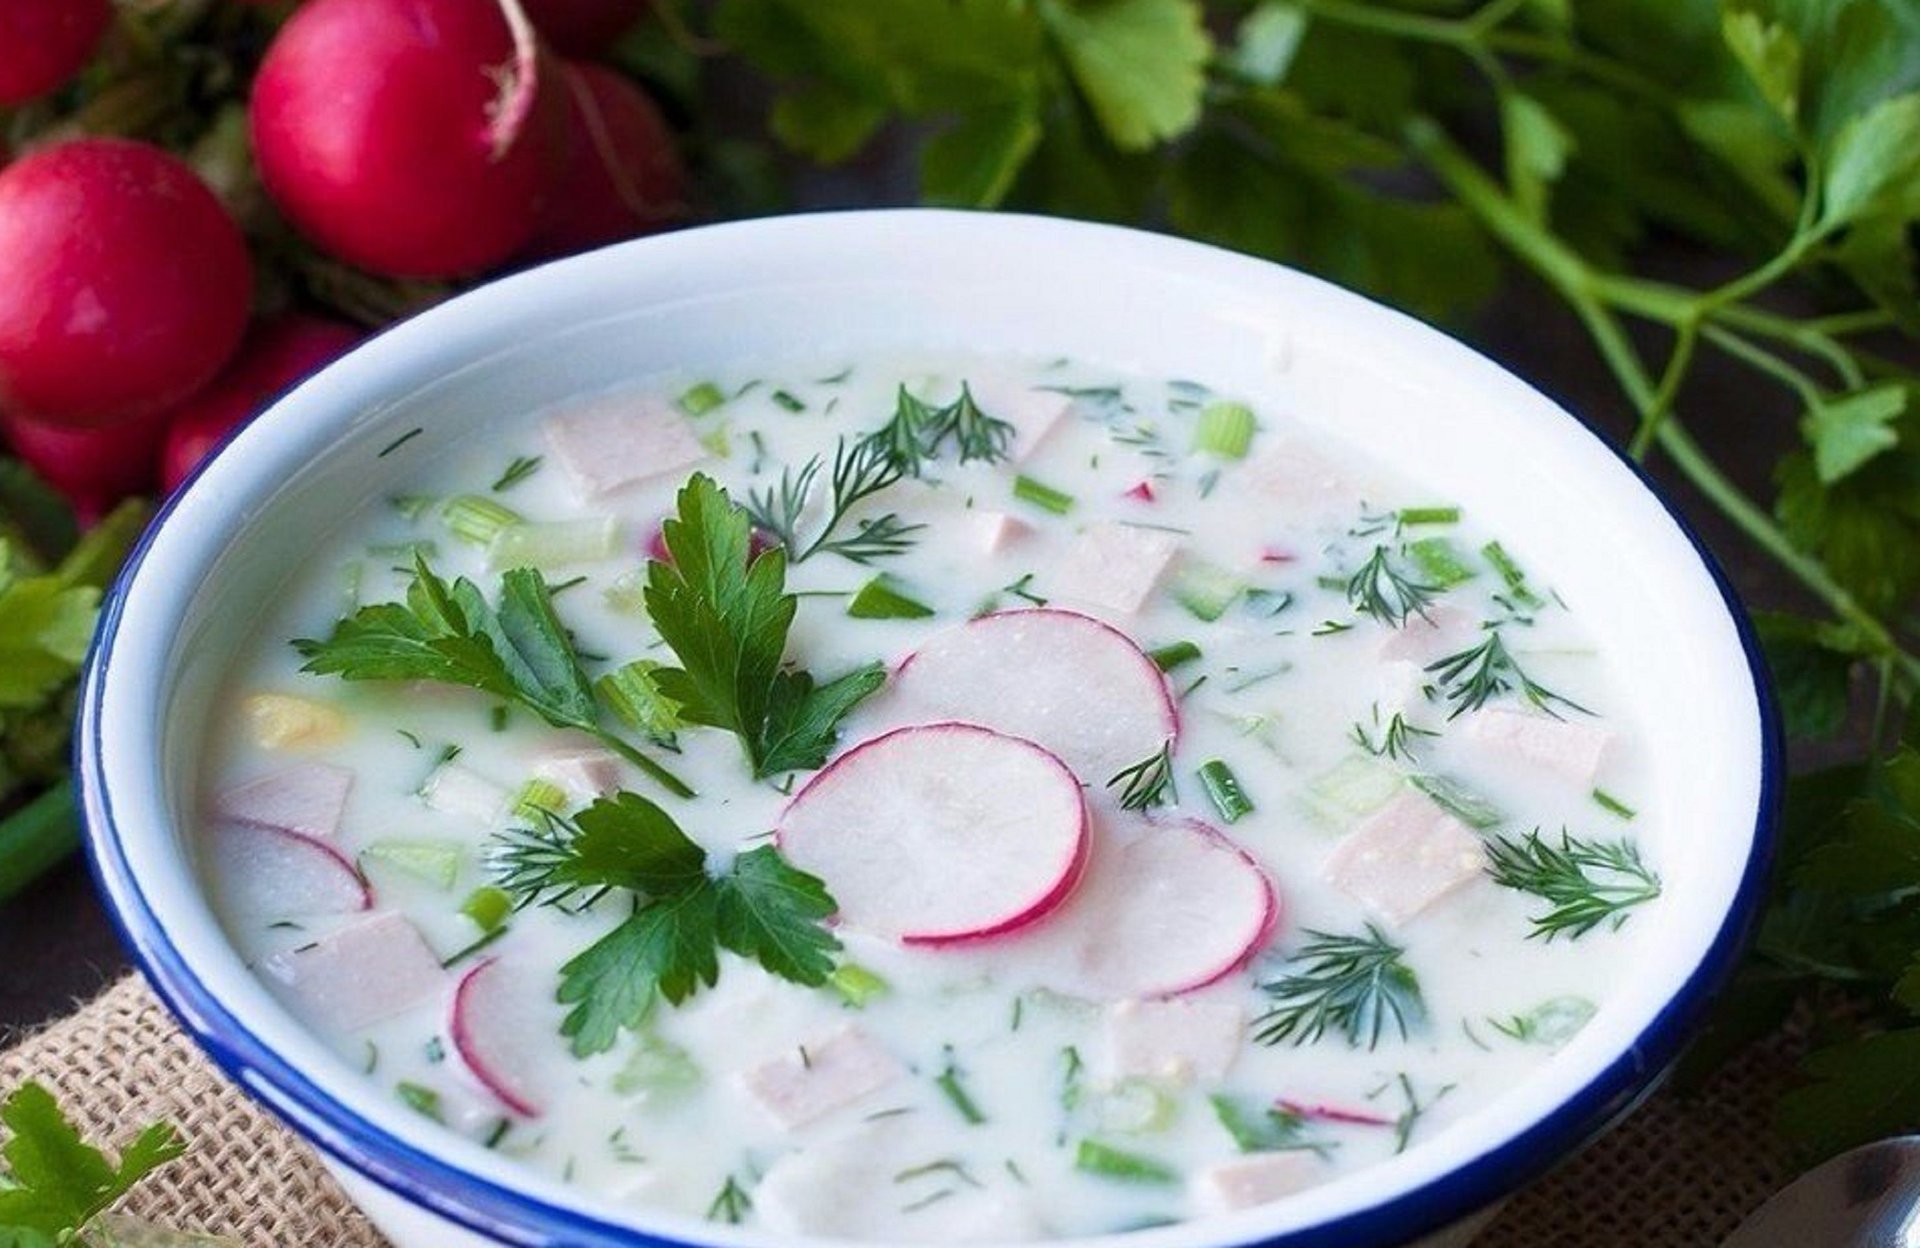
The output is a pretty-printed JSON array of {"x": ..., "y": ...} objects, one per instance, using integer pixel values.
[{"x": 854, "y": 284}]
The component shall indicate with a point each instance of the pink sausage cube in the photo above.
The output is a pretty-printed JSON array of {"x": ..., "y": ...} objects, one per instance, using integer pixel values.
[
  {"x": 1174, "y": 1041},
  {"x": 359, "y": 975},
  {"x": 614, "y": 442},
  {"x": 1406, "y": 857},
  {"x": 798, "y": 1088},
  {"x": 997, "y": 530},
  {"x": 1113, "y": 565},
  {"x": 1572, "y": 747},
  {"x": 1032, "y": 413},
  {"x": 1442, "y": 631},
  {"x": 309, "y": 798},
  {"x": 1257, "y": 1180},
  {"x": 582, "y": 772}
]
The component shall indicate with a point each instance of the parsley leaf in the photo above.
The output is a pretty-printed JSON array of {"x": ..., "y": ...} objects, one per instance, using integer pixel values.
[
  {"x": 761, "y": 908},
  {"x": 1140, "y": 63},
  {"x": 726, "y": 616},
  {"x": 57, "y": 1182},
  {"x": 448, "y": 634}
]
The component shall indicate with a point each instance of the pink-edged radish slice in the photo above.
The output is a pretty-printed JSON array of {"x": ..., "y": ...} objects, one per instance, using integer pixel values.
[
  {"x": 1062, "y": 680},
  {"x": 503, "y": 1027},
  {"x": 308, "y": 798},
  {"x": 379, "y": 967},
  {"x": 1164, "y": 909},
  {"x": 941, "y": 832},
  {"x": 271, "y": 873}
]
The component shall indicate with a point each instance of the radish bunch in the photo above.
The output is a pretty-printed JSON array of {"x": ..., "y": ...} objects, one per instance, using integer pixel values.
[{"x": 975, "y": 821}]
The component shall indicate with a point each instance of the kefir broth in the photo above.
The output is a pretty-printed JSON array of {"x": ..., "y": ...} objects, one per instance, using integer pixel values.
[{"x": 1377, "y": 702}]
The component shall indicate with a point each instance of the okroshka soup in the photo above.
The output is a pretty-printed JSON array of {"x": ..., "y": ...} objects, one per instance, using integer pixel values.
[{"x": 920, "y": 727}]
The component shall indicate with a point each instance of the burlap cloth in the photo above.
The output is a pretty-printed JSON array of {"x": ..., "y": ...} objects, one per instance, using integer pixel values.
[{"x": 1680, "y": 1173}]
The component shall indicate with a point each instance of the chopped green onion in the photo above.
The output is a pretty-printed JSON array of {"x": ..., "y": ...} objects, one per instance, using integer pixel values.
[
  {"x": 1224, "y": 429},
  {"x": 539, "y": 797},
  {"x": 1510, "y": 572},
  {"x": 1174, "y": 654},
  {"x": 1551, "y": 1023},
  {"x": 1137, "y": 1107},
  {"x": 1613, "y": 805},
  {"x": 478, "y": 520},
  {"x": 718, "y": 442},
  {"x": 421, "y": 1100},
  {"x": 1093, "y": 1157},
  {"x": 878, "y": 600},
  {"x": 554, "y": 543},
  {"x": 948, "y": 1081},
  {"x": 1268, "y": 603},
  {"x": 856, "y": 984},
  {"x": 1223, "y": 787},
  {"x": 1027, "y": 490},
  {"x": 1459, "y": 801},
  {"x": 488, "y": 907},
  {"x": 436, "y": 862},
  {"x": 657, "y": 1069},
  {"x": 1206, "y": 590},
  {"x": 1429, "y": 515},
  {"x": 787, "y": 401},
  {"x": 633, "y": 695},
  {"x": 628, "y": 593},
  {"x": 700, "y": 399},
  {"x": 1440, "y": 564}
]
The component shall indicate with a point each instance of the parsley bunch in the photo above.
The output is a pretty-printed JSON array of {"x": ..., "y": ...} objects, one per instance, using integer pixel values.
[
  {"x": 759, "y": 908},
  {"x": 56, "y": 1185}
]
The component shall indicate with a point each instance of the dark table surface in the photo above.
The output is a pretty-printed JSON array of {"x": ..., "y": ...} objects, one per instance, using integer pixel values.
[{"x": 58, "y": 947}]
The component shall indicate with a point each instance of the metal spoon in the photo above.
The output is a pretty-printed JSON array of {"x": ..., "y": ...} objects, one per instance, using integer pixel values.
[{"x": 1868, "y": 1198}]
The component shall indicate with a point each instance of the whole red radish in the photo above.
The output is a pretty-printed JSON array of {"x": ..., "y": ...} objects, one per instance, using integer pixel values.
[
  {"x": 414, "y": 138},
  {"x": 45, "y": 42},
  {"x": 126, "y": 284},
  {"x": 623, "y": 177},
  {"x": 275, "y": 356},
  {"x": 93, "y": 468},
  {"x": 584, "y": 28}
]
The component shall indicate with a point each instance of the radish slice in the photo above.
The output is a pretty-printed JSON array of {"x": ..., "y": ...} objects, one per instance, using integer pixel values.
[
  {"x": 308, "y": 799},
  {"x": 1165, "y": 909},
  {"x": 502, "y": 1032},
  {"x": 940, "y": 833},
  {"x": 271, "y": 873},
  {"x": 1062, "y": 680},
  {"x": 1320, "y": 1111}
]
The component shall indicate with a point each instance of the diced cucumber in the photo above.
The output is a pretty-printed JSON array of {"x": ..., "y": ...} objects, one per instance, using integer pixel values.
[
  {"x": 478, "y": 520},
  {"x": 1355, "y": 786},
  {"x": 1459, "y": 801},
  {"x": 435, "y": 862},
  {"x": 879, "y": 600},
  {"x": 1042, "y": 495},
  {"x": 1206, "y": 590},
  {"x": 539, "y": 797},
  {"x": 1137, "y": 1107},
  {"x": 1225, "y": 429},
  {"x": 701, "y": 398},
  {"x": 488, "y": 907},
  {"x": 657, "y": 1069},
  {"x": 856, "y": 984},
  {"x": 633, "y": 695},
  {"x": 1440, "y": 562},
  {"x": 555, "y": 543}
]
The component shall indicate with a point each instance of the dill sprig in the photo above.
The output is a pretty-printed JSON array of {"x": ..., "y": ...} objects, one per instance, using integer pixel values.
[
  {"x": 535, "y": 865},
  {"x": 1409, "y": 1118},
  {"x": 1382, "y": 591},
  {"x": 1355, "y": 985},
  {"x": 1473, "y": 677},
  {"x": 1586, "y": 883},
  {"x": 1148, "y": 782},
  {"x": 1395, "y": 742},
  {"x": 731, "y": 1205}
]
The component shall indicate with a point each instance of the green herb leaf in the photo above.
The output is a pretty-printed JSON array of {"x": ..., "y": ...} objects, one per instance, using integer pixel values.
[
  {"x": 775, "y": 914},
  {"x": 1874, "y": 167},
  {"x": 1849, "y": 430},
  {"x": 1140, "y": 63},
  {"x": 1861, "y": 1090},
  {"x": 665, "y": 949},
  {"x": 57, "y": 1182}
]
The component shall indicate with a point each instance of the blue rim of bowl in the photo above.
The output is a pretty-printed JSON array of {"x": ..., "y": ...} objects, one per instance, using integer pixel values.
[{"x": 493, "y": 1209}]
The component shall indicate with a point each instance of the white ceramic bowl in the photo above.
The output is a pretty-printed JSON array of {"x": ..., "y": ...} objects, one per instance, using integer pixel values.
[{"x": 865, "y": 281}]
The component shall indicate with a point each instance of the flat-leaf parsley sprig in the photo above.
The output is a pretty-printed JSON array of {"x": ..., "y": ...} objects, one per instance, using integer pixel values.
[
  {"x": 760, "y": 908},
  {"x": 725, "y": 613},
  {"x": 449, "y": 634},
  {"x": 55, "y": 1184},
  {"x": 1586, "y": 882},
  {"x": 1359, "y": 986},
  {"x": 913, "y": 436}
]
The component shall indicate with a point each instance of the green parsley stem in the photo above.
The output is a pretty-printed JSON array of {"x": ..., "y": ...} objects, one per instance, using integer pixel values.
[
  {"x": 660, "y": 775},
  {"x": 36, "y": 838}
]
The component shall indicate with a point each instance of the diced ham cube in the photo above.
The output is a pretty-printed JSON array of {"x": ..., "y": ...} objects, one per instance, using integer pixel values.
[
  {"x": 281, "y": 721},
  {"x": 309, "y": 798},
  {"x": 456, "y": 790},
  {"x": 1297, "y": 478},
  {"x": 614, "y": 442},
  {"x": 1113, "y": 565},
  {"x": 582, "y": 772},
  {"x": 1441, "y": 631},
  {"x": 872, "y": 1184},
  {"x": 1173, "y": 1041},
  {"x": 1405, "y": 858},
  {"x": 359, "y": 975},
  {"x": 1033, "y": 413},
  {"x": 997, "y": 530},
  {"x": 1257, "y": 1180},
  {"x": 798, "y": 1088},
  {"x": 1573, "y": 748}
]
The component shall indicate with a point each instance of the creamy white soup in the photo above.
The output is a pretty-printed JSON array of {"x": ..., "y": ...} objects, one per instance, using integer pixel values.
[{"x": 929, "y": 799}]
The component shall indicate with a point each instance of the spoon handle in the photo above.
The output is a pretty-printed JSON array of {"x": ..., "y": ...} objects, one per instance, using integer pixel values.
[{"x": 1868, "y": 1198}]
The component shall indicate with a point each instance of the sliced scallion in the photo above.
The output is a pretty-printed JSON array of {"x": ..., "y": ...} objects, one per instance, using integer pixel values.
[
  {"x": 478, "y": 520},
  {"x": 554, "y": 543},
  {"x": 856, "y": 984},
  {"x": 1093, "y": 1157},
  {"x": 879, "y": 600},
  {"x": 1439, "y": 562},
  {"x": 1173, "y": 655},
  {"x": 1613, "y": 805},
  {"x": 1429, "y": 515},
  {"x": 435, "y": 862},
  {"x": 1223, "y": 789},
  {"x": 1224, "y": 429},
  {"x": 539, "y": 797},
  {"x": 488, "y": 907},
  {"x": 702, "y": 398},
  {"x": 633, "y": 695},
  {"x": 1040, "y": 494},
  {"x": 1459, "y": 801}
]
